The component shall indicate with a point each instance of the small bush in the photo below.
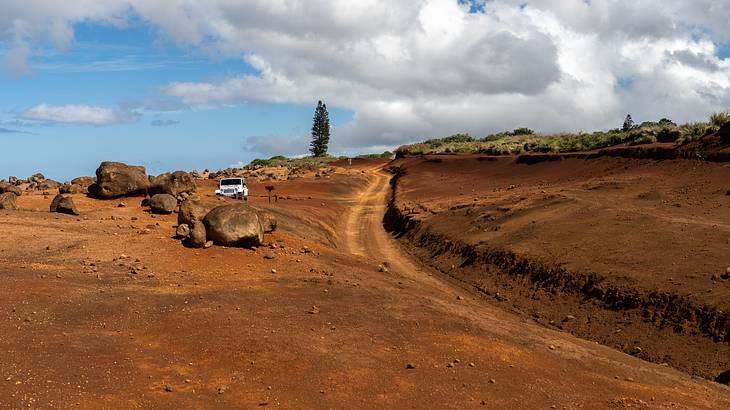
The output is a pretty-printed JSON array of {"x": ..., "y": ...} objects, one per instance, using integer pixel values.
[{"x": 719, "y": 119}]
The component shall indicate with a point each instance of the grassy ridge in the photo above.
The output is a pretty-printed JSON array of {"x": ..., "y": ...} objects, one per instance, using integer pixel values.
[{"x": 525, "y": 140}]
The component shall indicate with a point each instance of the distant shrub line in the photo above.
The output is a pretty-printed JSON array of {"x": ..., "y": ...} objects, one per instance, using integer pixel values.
[
  {"x": 280, "y": 160},
  {"x": 526, "y": 140}
]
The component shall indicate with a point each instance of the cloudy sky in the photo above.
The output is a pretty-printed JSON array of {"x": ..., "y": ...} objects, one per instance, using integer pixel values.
[{"x": 193, "y": 84}]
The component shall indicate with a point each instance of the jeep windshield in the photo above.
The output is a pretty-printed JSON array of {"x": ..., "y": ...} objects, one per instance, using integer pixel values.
[{"x": 231, "y": 182}]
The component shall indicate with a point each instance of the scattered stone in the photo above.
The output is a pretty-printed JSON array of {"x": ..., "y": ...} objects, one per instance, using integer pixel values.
[
  {"x": 208, "y": 244},
  {"x": 273, "y": 270},
  {"x": 492, "y": 381},
  {"x": 459, "y": 298},
  {"x": 197, "y": 237},
  {"x": 168, "y": 388},
  {"x": 7, "y": 201},
  {"x": 270, "y": 255},
  {"x": 182, "y": 231},
  {"x": 383, "y": 268},
  {"x": 8, "y": 187},
  {"x": 63, "y": 204},
  {"x": 222, "y": 389},
  {"x": 726, "y": 275},
  {"x": 163, "y": 204},
  {"x": 551, "y": 347},
  {"x": 115, "y": 179},
  {"x": 410, "y": 366},
  {"x": 472, "y": 365},
  {"x": 569, "y": 318},
  {"x": 121, "y": 205},
  {"x": 313, "y": 311}
]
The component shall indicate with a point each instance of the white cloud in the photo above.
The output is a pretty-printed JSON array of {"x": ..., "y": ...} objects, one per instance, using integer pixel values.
[
  {"x": 78, "y": 114},
  {"x": 417, "y": 68}
]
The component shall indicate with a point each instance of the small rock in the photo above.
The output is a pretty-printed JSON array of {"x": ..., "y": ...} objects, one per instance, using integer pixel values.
[
  {"x": 492, "y": 381},
  {"x": 551, "y": 347},
  {"x": 270, "y": 255},
  {"x": 183, "y": 231},
  {"x": 222, "y": 389},
  {"x": 410, "y": 366},
  {"x": 313, "y": 311},
  {"x": 273, "y": 270},
  {"x": 383, "y": 268},
  {"x": 472, "y": 365},
  {"x": 569, "y": 318},
  {"x": 208, "y": 244},
  {"x": 168, "y": 388},
  {"x": 121, "y": 205},
  {"x": 459, "y": 298}
]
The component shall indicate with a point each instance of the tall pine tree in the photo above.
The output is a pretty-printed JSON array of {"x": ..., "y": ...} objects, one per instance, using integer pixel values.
[
  {"x": 320, "y": 130},
  {"x": 628, "y": 123}
]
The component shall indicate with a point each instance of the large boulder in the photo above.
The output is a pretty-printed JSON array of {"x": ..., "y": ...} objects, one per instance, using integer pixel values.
[
  {"x": 163, "y": 204},
  {"x": 114, "y": 179},
  {"x": 48, "y": 185},
  {"x": 64, "y": 204},
  {"x": 84, "y": 181},
  {"x": 173, "y": 183},
  {"x": 68, "y": 188},
  {"x": 8, "y": 187},
  {"x": 234, "y": 225},
  {"x": 7, "y": 201},
  {"x": 194, "y": 210}
]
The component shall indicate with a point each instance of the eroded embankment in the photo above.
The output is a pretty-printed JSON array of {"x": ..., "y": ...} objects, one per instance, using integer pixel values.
[{"x": 658, "y": 326}]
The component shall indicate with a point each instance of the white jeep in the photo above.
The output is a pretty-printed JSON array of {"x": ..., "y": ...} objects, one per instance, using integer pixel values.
[{"x": 233, "y": 187}]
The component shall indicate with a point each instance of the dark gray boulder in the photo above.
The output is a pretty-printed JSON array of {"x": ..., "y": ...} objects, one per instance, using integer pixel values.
[
  {"x": 7, "y": 201},
  {"x": 64, "y": 204},
  {"x": 234, "y": 225},
  {"x": 163, "y": 204},
  {"x": 173, "y": 183},
  {"x": 115, "y": 179}
]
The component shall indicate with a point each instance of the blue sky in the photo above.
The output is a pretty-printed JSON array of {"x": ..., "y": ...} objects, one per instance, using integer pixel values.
[
  {"x": 176, "y": 84},
  {"x": 109, "y": 66}
]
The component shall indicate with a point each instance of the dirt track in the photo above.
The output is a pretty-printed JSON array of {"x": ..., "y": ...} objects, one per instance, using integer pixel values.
[{"x": 217, "y": 329}]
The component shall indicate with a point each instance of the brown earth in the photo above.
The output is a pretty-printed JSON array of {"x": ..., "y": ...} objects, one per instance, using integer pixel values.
[
  {"x": 627, "y": 252},
  {"x": 107, "y": 310}
]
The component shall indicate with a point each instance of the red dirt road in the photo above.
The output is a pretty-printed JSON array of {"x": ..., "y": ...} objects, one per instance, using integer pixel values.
[{"x": 171, "y": 327}]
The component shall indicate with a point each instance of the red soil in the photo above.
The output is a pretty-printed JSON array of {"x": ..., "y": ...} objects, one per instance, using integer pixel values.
[
  {"x": 643, "y": 225},
  {"x": 215, "y": 328}
]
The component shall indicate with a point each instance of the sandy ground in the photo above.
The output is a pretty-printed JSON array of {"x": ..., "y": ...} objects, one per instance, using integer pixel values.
[{"x": 107, "y": 310}]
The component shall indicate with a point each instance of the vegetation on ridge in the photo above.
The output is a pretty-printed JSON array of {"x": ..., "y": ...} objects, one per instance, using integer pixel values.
[{"x": 525, "y": 140}]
